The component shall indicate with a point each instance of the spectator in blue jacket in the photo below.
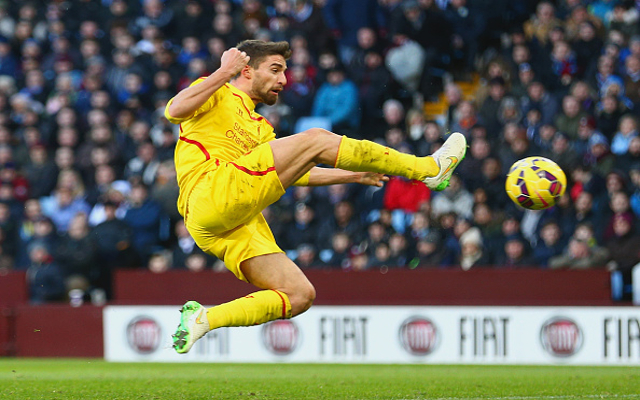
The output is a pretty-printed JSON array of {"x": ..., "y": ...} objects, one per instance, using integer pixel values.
[
  {"x": 337, "y": 100},
  {"x": 8, "y": 63},
  {"x": 62, "y": 206}
]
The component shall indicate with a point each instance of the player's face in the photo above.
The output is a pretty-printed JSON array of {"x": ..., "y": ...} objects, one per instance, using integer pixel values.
[{"x": 269, "y": 79}]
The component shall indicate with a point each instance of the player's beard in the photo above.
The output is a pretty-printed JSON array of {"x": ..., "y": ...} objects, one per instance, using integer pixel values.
[
  {"x": 269, "y": 98},
  {"x": 264, "y": 94}
]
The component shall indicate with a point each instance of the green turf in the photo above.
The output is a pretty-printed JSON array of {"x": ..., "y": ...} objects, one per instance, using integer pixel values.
[{"x": 22, "y": 379}]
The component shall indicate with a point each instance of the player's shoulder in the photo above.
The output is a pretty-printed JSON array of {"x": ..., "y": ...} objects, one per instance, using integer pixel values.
[{"x": 198, "y": 80}]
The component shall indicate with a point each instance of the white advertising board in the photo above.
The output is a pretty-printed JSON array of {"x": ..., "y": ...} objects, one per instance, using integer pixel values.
[{"x": 391, "y": 334}]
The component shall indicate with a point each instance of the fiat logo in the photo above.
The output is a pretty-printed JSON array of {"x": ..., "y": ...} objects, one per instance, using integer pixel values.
[
  {"x": 144, "y": 335},
  {"x": 418, "y": 336},
  {"x": 561, "y": 337},
  {"x": 280, "y": 336}
]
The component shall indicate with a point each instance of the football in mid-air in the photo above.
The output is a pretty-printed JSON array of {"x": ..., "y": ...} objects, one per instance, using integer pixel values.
[{"x": 535, "y": 183}]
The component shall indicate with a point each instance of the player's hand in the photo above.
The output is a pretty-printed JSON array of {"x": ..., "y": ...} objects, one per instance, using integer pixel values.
[
  {"x": 233, "y": 61},
  {"x": 372, "y": 179}
]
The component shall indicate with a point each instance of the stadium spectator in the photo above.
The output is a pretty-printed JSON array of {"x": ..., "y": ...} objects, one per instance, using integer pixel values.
[
  {"x": 185, "y": 247},
  {"x": 77, "y": 254},
  {"x": 159, "y": 262},
  {"x": 376, "y": 233},
  {"x": 44, "y": 276},
  {"x": 399, "y": 252},
  {"x": 299, "y": 92},
  {"x": 302, "y": 229},
  {"x": 468, "y": 24},
  {"x": 490, "y": 182},
  {"x": 381, "y": 257},
  {"x": 344, "y": 19},
  {"x": 337, "y": 100},
  {"x": 62, "y": 206},
  {"x": 307, "y": 257},
  {"x": 472, "y": 252},
  {"x": 626, "y": 161},
  {"x": 550, "y": 243},
  {"x": 453, "y": 199},
  {"x": 628, "y": 129},
  {"x": 515, "y": 254},
  {"x": 147, "y": 221},
  {"x": 562, "y": 152},
  {"x": 537, "y": 28},
  {"x": 360, "y": 261},
  {"x": 429, "y": 253},
  {"x": 343, "y": 220},
  {"x": 144, "y": 166},
  {"x": 372, "y": 79},
  {"x": 515, "y": 148},
  {"x": 340, "y": 251},
  {"x": 538, "y": 97},
  {"x": 624, "y": 248},
  {"x": 580, "y": 255},
  {"x": 619, "y": 207},
  {"x": 40, "y": 172}
]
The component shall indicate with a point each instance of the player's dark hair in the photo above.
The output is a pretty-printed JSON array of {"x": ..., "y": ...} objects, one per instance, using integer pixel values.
[{"x": 258, "y": 50}]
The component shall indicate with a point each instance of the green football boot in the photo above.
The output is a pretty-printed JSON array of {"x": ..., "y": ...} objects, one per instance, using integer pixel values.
[
  {"x": 193, "y": 326},
  {"x": 448, "y": 157}
]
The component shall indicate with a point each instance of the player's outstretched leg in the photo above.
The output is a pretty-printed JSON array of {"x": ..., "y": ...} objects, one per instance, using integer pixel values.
[
  {"x": 193, "y": 325},
  {"x": 434, "y": 170},
  {"x": 448, "y": 157},
  {"x": 296, "y": 154}
]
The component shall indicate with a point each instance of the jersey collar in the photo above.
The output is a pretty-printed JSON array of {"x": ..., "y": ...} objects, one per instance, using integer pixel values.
[{"x": 246, "y": 100}]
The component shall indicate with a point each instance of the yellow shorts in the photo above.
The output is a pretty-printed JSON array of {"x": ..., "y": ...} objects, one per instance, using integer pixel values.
[{"x": 224, "y": 209}]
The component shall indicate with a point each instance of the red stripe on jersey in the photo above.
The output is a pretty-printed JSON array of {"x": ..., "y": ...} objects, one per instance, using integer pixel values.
[
  {"x": 200, "y": 146},
  {"x": 247, "y": 108},
  {"x": 284, "y": 305},
  {"x": 254, "y": 173}
]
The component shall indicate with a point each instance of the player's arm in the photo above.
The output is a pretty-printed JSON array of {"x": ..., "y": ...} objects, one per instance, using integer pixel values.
[
  {"x": 330, "y": 176},
  {"x": 190, "y": 99}
]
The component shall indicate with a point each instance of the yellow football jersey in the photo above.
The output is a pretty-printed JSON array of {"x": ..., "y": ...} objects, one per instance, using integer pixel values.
[{"x": 221, "y": 130}]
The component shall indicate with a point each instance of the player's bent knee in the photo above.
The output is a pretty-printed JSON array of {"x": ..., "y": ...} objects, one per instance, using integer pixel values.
[
  {"x": 318, "y": 132},
  {"x": 321, "y": 144},
  {"x": 319, "y": 138},
  {"x": 302, "y": 299}
]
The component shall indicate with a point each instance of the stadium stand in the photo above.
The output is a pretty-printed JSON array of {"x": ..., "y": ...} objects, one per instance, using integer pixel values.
[{"x": 87, "y": 184}]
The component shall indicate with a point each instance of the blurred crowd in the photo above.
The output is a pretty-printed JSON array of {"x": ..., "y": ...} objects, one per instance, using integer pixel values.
[{"x": 87, "y": 181}]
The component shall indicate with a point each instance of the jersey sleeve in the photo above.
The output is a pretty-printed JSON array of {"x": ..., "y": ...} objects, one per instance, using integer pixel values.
[
  {"x": 208, "y": 105},
  {"x": 303, "y": 180}
]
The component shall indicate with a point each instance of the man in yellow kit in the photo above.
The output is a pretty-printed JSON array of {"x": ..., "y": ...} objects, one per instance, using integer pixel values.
[{"x": 230, "y": 167}]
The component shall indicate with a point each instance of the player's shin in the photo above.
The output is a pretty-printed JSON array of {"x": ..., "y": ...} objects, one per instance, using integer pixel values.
[
  {"x": 364, "y": 155},
  {"x": 254, "y": 309}
]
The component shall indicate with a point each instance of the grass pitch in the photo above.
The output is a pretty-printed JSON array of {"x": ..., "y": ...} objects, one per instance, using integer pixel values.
[{"x": 86, "y": 379}]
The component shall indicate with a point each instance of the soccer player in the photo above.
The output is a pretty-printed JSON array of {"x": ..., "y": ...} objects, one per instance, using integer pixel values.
[{"x": 230, "y": 167}]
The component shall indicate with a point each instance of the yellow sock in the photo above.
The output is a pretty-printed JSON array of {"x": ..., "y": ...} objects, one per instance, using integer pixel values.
[
  {"x": 254, "y": 309},
  {"x": 363, "y": 155}
]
